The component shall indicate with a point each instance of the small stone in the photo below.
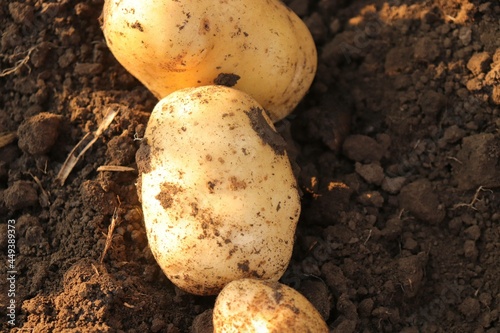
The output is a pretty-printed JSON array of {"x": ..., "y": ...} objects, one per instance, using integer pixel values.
[
  {"x": 479, "y": 63},
  {"x": 20, "y": 194}
]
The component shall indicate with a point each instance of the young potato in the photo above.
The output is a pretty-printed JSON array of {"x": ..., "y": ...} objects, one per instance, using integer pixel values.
[
  {"x": 255, "y": 306},
  {"x": 219, "y": 197},
  {"x": 259, "y": 46}
]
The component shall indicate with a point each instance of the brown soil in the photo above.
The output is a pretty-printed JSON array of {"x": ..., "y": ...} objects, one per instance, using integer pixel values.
[{"x": 397, "y": 141}]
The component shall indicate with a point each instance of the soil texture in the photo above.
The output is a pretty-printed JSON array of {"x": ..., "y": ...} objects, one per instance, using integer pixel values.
[{"x": 397, "y": 146}]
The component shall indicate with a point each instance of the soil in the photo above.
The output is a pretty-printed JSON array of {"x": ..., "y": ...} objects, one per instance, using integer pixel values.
[{"x": 397, "y": 142}]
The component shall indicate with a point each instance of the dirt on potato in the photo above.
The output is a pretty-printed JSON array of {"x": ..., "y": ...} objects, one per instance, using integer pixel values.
[{"x": 397, "y": 142}]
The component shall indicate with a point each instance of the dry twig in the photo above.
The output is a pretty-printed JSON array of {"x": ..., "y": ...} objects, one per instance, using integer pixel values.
[
  {"x": 18, "y": 64},
  {"x": 475, "y": 199},
  {"x": 111, "y": 229},
  {"x": 45, "y": 200},
  {"x": 88, "y": 140},
  {"x": 7, "y": 138},
  {"x": 116, "y": 168}
]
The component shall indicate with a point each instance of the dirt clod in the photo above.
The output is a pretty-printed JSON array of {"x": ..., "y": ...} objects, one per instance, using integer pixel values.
[
  {"x": 226, "y": 79},
  {"x": 397, "y": 143},
  {"x": 39, "y": 133},
  {"x": 268, "y": 135},
  {"x": 470, "y": 308},
  {"x": 21, "y": 194},
  {"x": 372, "y": 173},
  {"x": 478, "y": 161},
  {"x": 361, "y": 148},
  {"x": 421, "y": 200},
  {"x": 479, "y": 63}
]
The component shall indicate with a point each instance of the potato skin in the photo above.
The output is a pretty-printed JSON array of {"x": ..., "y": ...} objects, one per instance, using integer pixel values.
[
  {"x": 219, "y": 197},
  {"x": 259, "y": 46},
  {"x": 251, "y": 306}
]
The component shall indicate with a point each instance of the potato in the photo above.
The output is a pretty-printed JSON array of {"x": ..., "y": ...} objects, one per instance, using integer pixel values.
[
  {"x": 219, "y": 196},
  {"x": 259, "y": 46},
  {"x": 250, "y": 305}
]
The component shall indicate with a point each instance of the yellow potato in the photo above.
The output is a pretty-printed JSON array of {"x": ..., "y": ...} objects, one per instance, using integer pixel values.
[
  {"x": 256, "y": 306},
  {"x": 259, "y": 46},
  {"x": 219, "y": 197}
]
